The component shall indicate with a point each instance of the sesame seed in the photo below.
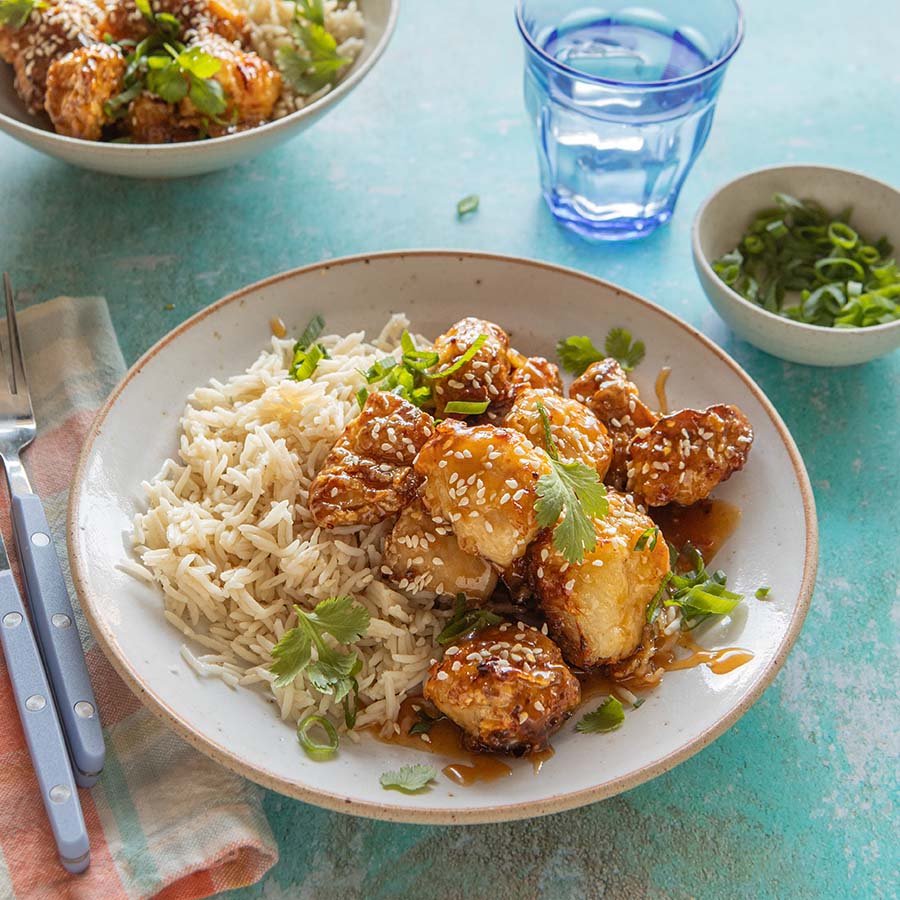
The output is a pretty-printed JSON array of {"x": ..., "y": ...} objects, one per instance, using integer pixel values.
[
  {"x": 538, "y": 706},
  {"x": 488, "y": 527},
  {"x": 523, "y": 717},
  {"x": 442, "y": 676},
  {"x": 570, "y": 584}
]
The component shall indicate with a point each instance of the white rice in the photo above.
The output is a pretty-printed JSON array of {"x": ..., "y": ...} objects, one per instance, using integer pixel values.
[
  {"x": 229, "y": 538},
  {"x": 267, "y": 22}
]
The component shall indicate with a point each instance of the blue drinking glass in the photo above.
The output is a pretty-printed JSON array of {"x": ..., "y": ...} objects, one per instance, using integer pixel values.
[{"x": 621, "y": 97}]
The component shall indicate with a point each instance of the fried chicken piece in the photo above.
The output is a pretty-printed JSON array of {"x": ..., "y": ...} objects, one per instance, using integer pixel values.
[
  {"x": 534, "y": 372},
  {"x": 124, "y": 20},
  {"x": 251, "y": 87},
  {"x": 597, "y": 610},
  {"x": 368, "y": 474},
  {"x": 482, "y": 480},
  {"x": 153, "y": 121},
  {"x": 506, "y": 686},
  {"x": 484, "y": 377},
  {"x": 78, "y": 86},
  {"x": 686, "y": 454},
  {"x": 577, "y": 432},
  {"x": 423, "y": 555},
  {"x": 605, "y": 389},
  {"x": 49, "y": 34}
]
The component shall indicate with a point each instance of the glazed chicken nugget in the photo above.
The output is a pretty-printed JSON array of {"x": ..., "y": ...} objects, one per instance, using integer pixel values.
[
  {"x": 596, "y": 610},
  {"x": 483, "y": 481},
  {"x": 686, "y": 454},
  {"x": 535, "y": 372},
  {"x": 421, "y": 554},
  {"x": 484, "y": 377},
  {"x": 607, "y": 391},
  {"x": 577, "y": 432},
  {"x": 368, "y": 475},
  {"x": 78, "y": 86},
  {"x": 507, "y": 686}
]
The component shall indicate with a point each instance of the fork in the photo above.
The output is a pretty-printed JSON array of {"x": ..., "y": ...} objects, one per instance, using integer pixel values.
[{"x": 48, "y": 596}]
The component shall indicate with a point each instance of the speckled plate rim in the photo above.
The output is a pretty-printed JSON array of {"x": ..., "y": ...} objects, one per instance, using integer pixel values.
[
  {"x": 438, "y": 815},
  {"x": 354, "y": 77}
]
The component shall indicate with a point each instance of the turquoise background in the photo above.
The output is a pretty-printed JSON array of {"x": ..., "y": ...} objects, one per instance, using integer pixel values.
[{"x": 797, "y": 800}]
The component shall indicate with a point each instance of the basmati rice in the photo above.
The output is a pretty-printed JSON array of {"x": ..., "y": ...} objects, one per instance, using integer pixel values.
[
  {"x": 228, "y": 535},
  {"x": 268, "y": 21}
]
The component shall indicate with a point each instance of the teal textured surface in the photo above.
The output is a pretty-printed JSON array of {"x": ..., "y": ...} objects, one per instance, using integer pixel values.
[{"x": 797, "y": 800}]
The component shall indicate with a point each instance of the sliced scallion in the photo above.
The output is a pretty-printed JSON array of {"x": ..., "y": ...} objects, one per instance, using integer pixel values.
[{"x": 316, "y": 749}]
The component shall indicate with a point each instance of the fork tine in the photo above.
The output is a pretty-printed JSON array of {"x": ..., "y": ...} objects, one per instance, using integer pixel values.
[{"x": 17, "y": 366}]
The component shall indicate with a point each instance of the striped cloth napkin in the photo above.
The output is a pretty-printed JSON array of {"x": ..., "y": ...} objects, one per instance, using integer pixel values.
[{"x": 164, "y": 820}]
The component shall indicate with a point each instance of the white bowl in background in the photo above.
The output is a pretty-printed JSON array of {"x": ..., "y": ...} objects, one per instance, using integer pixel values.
[
  {"x": 194, "y": 157},
  {"x": 722, "y": 221}
]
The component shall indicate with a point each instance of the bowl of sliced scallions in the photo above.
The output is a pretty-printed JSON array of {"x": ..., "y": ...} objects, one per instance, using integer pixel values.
[{"x": 804, "y": 262}]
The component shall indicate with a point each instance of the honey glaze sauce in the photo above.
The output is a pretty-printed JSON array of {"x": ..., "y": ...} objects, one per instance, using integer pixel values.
[
  {"x": 707, "y": 525},
  {"x": 445, "y": 739}
]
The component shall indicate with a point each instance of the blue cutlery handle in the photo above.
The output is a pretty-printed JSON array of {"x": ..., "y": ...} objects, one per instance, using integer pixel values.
[
  {"x": 40, "y": 723},
  {"x": 54, "y": 621}
]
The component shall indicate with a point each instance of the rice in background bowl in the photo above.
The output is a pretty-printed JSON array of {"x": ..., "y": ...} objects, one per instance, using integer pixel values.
[{"x": 268, "y": 22}]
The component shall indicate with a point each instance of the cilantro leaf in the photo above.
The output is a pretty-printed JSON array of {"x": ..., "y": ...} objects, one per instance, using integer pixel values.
[
  {"x": 573, "y": 488},
  {"x": 577, "y": 353},
  {"x": 342, "y": 617},
  {"x": 332, "y": 672},
  {"x": 312, "y": 10},
  {"x": 292, "y": 655},
  {"x": 199, "y": 63},
  {"x": 619, "y": 345},
  {"x": 314, "y": 62},
  {"x": 15, "y": 13},
  {"x": 167, "y": 81},
  {"x": 207, "y": 95},
  {"x": 762, "y": 593},
  {"x": 607, "y": 717},
  {"x": 466, "y": 621},
  {"x": 409, "y": 779}
]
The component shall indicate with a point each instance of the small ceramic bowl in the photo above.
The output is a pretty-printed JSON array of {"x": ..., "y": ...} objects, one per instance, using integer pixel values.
[
  {"x": 195, "y": 157},
  {"x": 721, "y": 222}
]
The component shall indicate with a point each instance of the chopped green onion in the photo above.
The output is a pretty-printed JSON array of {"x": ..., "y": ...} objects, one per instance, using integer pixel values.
[
  {"x": 465, "y": 408},
  {"x": 475, "y": 346},
  {"x": 361, "y": 396},
  {"x": 314, "y": 749},
  {"x": 467, "y": 205},
  {"x": 842, "y": 235},
  {"x": 763, "y": 592},
  {"x": 314, "y": 328},
  {"x": 305, "y": 362},
  {"x": 651, "y": 536},
  {"x": 798, "y": 261}
]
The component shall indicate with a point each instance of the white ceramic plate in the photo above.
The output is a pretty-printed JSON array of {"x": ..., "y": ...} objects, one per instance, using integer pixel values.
[
  {"x": 194, "y": 157},
  {"x": 136, "y": 430}
]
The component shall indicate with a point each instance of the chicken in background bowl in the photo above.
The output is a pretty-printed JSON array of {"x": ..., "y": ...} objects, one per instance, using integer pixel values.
[{"x": 170, "y": 71}]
